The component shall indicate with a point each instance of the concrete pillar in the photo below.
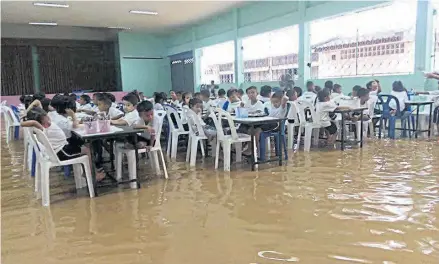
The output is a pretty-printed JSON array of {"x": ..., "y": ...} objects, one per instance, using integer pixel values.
[
  {"x": 304, "y": 56},
  {"x": 197, "y": 63},
  {"x": 239, "y": 64},
  {"x": 424, "y": 36},
  {"x": 35, "y": 68}
]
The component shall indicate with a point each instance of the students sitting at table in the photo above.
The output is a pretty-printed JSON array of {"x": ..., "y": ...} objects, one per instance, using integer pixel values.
[
  {"x": 298, "y": 90},
  {"x": 131, "y": 115},
  {"x": 84, "y": 104},
  {"x": 400, "y": 93},
  {"x": 159, "y": 99},
  {"x": 292, "y": 95},
  {"x": 179, "y": 97},
  {"x": 197, "y": 95},
  {"x": 240, "y": 94},
  {"x": 233, "y": 101},
  {"x": 310, "y": 94},
  {"x": 221, "y": 100},
  {"x": 253, "y": 105},
  {"x": 63, "y": 148},
  {"x": 196, "y": 105},
  {"x": 265, "y": 94},
  {"x": 105, "y": 108},
  {"x": 208, "y": 104},
  {"x": 324, "y": 108},
  {"x": 329, "y": 85},
  {"x": 354, "y": 92}
]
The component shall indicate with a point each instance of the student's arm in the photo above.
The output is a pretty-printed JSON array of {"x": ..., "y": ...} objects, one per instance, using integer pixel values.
[
  {"x": 432, "y": 75},
  {"x": 75, "y": 121},
  {"x": 31, "y": 123},
  {"x": 35, "y": 103},
  {"x": 88, "y": 112},
  {"x": 117, "y": 117},
  {"x": 120, "y": 122}
]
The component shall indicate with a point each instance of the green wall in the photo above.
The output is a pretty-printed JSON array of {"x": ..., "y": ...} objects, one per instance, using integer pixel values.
[{"x": 146, "y": 75}]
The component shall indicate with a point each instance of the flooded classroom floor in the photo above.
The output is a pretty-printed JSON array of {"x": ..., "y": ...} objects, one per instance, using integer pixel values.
[{"x": 375, "y": 205}]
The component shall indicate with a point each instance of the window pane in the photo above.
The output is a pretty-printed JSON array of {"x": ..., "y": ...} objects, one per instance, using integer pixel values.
[{"x": 217, "y": 63}]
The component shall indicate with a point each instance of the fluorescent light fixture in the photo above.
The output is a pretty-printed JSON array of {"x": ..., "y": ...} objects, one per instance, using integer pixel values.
[
  {"x": 43, "y": 23},
  {"x": 119, "y": 28},
  {"x": 140, "y": 12},
  {"x": 51, "y": 5}
]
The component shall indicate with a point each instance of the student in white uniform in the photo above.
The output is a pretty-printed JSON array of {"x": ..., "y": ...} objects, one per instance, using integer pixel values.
[
  {"x": 400, "y": 93},
  {"x": 159, "y": 99},
  {"x": 253, "y": 105},
  {"x": 310, "y": 95},
  {"x": 221, "y": 100},
  {"x": 208, "y": 104},
  {"x": 105, "y": 107},
  {"x": 435, "y": 94},
  {"x": 233, "y": 101},
  {"x": 65, "y": 150},
  {"x": 131, "y": 115},
  {"x": 84, "y": 104},
  {"x": 265, "y": 94}
]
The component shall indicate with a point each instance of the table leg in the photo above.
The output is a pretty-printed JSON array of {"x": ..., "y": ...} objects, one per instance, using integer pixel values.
[
  {"x": 342, "y": 131},
  {"x": 430, "y": 120},
  {"x": 136, "y": 152},
  {"x": 417, "y": 122},
  {"x": 93, "y": 168},
  {"x": 112, "y": 154},
  {"x": 279, "y": 144},
  {"x": 361, "y": 129},
  {"x": 252, "y": 143}
]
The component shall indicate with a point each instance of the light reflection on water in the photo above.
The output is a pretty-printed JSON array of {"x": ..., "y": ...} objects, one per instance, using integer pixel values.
[{"x": 378, "y": 205}]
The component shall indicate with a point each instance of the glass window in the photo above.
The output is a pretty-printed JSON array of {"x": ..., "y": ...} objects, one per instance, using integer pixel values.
[{"x": 217, "y": 63}]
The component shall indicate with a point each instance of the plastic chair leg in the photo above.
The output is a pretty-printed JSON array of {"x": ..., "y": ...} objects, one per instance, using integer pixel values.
[
  {"x": 299, "y": 136},
  {"x": 168, "y": 145},
  {"x": 45, "y": 184},
  {"x": 262, "y": 146},
  {"x": 226, "y": 151},
  {"x": 118, "y": 164},
  {"x": 89, "y": 179},
  {"x": 392, "y": 128},
  {"x": 38, "y": 179},
  {"x": 188, "y": 149},
  {"x": 17, "y": 132},
  {"x": 174, "y": 146},
  {"x": 34, "y": 163},
  {"x": 308, "y": 134},
  {"x": 290, "y": 129},
  {"x": 165, "y": 170},
  {"x": 155, "y": 161},
  {"x": 238, "y": 148},
  {"x": 194, "y": 147},
  {"x": 217, "y": 149},
  {"x": 132, "y": 167}
]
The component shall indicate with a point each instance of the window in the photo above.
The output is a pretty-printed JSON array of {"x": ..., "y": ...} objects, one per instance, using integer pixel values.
[
  {"x": 217, "y": 63},
  {"x": 270, "y": 55},
  {"x": 333, "y": 57},
  {"x": 367, "y": 45},
  {"x": 435, "y": 47}
]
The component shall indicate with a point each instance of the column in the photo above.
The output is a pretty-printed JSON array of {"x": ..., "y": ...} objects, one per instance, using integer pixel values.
[
  {"x": 35, "y": 68},
  {"x": 304, "y": 56},
  {"x": 424, "y": 36},
  {"x": 197, "y": 62},
  {"x": 239, "y": 73}
]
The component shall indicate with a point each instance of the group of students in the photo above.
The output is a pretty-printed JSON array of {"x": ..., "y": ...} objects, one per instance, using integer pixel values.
[{"x": 57, "y": 117}]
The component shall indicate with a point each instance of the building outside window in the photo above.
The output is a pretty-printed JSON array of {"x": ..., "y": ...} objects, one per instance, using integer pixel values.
[{"x": 217, "y": 63}]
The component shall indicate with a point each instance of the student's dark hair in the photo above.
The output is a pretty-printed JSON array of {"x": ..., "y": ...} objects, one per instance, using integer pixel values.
[
  {"x": 251, "y": 88},
  {"x": 22, "y": 99},
  {"x": 336, "y": 86},
  {"x": 97, "y": 95},
  {"x": 36, "y": 114},
  {"x": 362, "y": 92},
  {"x": 197, "y": 94},
  {"x": 298, "y": 91},
  {"x": 230, "y": 92},
  {"x": 356, "y": 88},
  {"x": 86, "y": 98},
  {"x": 61, "y": 103},
  {"x": 265, "y": 91},
  {"x": 241, "y": 92},
  {"x": 70, "y": 104},
  {"x": 158, "y": 98},
  {"x": 194, "y": 101},
  {"x": 66, "y": 94},
  {"x": 105, "y": 99},
  {"x": 132, "y": 98},
  {"x": 183, "y": 96},
  {"x": 27, "y": 101},
  {"x": 205, "y": 93},
  {"x": 369, "y": 85},
  {"x": 73, "y": 96},
  {"x": 329, "y": 85},
  {"x": 317, "y": 88},
  {"x": 221, "y": 92},
  {"x": 178, "y": 92},
  {"x": 397, "y": 86},
  {"x": 111, "y": 97},
  {"x": 45, "y": 104},
  {"x": 38, "y": 96},
  {"x": 309, "y": 84},
  {"x": 145, "y": 106},
  {"x": 290, "y": 92},
  {"x": 136, "y": 94},
  {"x": 278, "y": 95},
  {"x": 322, "y": 94}
]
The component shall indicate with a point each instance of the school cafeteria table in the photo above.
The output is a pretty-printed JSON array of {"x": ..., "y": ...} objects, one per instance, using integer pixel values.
[
  {"x": 343, "y": 113},
  {"x": 255, "y": 121},
  {"x": 116, "y": 132},
  {"x": 418, "y": 105}
]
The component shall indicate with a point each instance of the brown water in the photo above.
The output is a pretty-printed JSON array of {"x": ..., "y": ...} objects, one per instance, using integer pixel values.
[{"x": 378, "y": 205}]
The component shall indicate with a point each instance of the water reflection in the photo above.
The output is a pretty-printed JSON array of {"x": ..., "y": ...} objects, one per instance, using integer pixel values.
[{"x": 379, "y": 205}]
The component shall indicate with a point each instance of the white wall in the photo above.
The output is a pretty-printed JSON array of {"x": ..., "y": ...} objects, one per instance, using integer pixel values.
[{"x": 56, "y": 32}]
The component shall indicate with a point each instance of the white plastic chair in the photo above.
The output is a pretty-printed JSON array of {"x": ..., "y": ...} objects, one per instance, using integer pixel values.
[
  {"x": 29, "y": 145},
  {"x": 131, "y": 155},
  {"x": 11, "y": 123},
  {"x": 175, "y": 132},
  {"x": 293, "y": 114},
  {"x": 48, "y": 159},
  {"x": 227, "y": 140},
  {"x": 196, "y": 135},
  {"x": 310, "y": 126}
]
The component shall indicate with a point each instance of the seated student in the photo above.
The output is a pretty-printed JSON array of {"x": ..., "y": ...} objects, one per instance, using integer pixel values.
[
  {"x": 22, "y": 106},
  {"x": 142, "y": 97},
  {"x": 253, "y": 105},
  {"x": 329, "y": 85},
  {"x": 208, "y": 105},
  {"x": 221, "y": 100},
  {"x": 435, "y": 94},
  {"x": 64, "y": 149},
  {"x": 240, "y": 94},
  {"x": 196, "y": 105},
  {"x": 174, "y": 99},
  {"x": 179, "y": 96},
  {"x": 44, "y": 104},
  {"x": 65, "y": 116},
  {"x": 324, "y": 108},
  {"x": 73, "y": 97},
  {"x": 197, "y": 95},
  {"x": 265, "y": 94},
  {"x": 233, "y": 102},
  {"x": 298, "y": 91},
  {"x": 131, "y": 115},
  {"x": 112, "y": 99},
  {"x": 105, "y": 108},
  {"x": 185, "y": 99},
  {"x": 318, "y": 88},
  {"x": 38, "y": 96},
  {"x": 292, "y": 95},
  {"x": 84, "y": 104},
  {"x": 159, "y": 100},
  {"x": 363, "y": 95},
  {"x": 355, "y": 91},
  {"x": 400, "y": 93},
  {"x": 336, "y": 91},
  {"x": 310, "y": 95}
]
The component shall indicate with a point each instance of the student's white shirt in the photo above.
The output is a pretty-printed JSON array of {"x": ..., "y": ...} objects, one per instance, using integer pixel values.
[
  {"x": 113, "y": 112},
  {"x": 64, "y": 123},
  {"x": 323, "y": 109},
  {"x": 207, "y": 106},
  {"x": 154, "y": 124},
  {"x": 220, "y": 102},
  {"x": 51, "y": 114},
  {"x": 77, "y": 105},
  {"x": 56, "y": 136},
  {"x": 245, "y": 99},
  {"x": 263, "y": 99},
  {"x": 402, "y": 98},
  {"x": 183, "y": 114},
  {"x": 113, "y": 104},
  {"x": 232, "y": 106},
  {"x": 435, "y": 95},
  {"x": 279, "y": 112},
  {"x": 87, "y": 107},
  {"x": 176, "y": 103},
  {"x": 158, "y": 106},
  {"x": 21, "y": 107},
  {"x": 131, "y": 117},
  {"x": 252, "y": 108},
  {"x": 309, "y": 97},
  {"x": 334, "y": 96}
]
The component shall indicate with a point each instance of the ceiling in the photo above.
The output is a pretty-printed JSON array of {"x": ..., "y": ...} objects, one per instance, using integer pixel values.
[{"x": 103, "y": 14}]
